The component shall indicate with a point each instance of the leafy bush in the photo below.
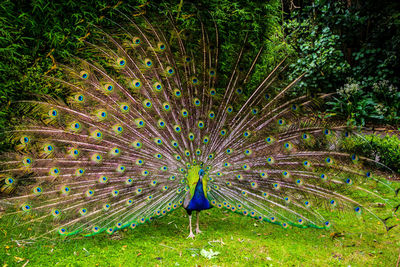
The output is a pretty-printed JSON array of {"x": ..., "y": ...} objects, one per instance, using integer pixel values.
[
  {"x": 358, "y": 40},
  {"x": 386, "y": 149},
  {"x": 382, "y": 105},
  {"x": 317, "y": 54}
]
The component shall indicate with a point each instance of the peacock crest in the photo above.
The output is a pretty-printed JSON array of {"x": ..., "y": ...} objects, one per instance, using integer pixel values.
[{"x": 147, "y": 122}]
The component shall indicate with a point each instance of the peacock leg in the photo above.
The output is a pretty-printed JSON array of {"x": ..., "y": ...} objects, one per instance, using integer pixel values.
[
  {"x": 191, "y": 235},
  {"x": 197, "y": 223}
]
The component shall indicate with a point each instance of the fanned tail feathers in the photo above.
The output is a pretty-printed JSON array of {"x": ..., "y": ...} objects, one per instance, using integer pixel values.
[{"x": 150, "y": 107}]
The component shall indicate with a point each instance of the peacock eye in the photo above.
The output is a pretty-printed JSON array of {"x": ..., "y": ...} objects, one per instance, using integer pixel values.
[
  {"x": 121, "y": 62},
  {"x": 84, "y": 75},
  {"x": 161, "y": 46},
  {"x": 79, "y": 98},
  {"x": 148, "y": 62},
  {"x": 136, "y": 40}
]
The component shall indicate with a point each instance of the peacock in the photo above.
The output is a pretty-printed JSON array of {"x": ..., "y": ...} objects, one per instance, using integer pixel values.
[{"x": 147, "y": 128}]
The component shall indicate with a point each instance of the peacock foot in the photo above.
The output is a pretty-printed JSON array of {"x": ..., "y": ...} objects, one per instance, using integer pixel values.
[
  {"x": 198, "y": 231},
  {"x": 191, "y": 235}
]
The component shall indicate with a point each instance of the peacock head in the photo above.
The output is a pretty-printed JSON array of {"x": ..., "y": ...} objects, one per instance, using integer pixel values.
[
  {"x": 195, "y": 175},
  {"x": 201, "y": 174}
]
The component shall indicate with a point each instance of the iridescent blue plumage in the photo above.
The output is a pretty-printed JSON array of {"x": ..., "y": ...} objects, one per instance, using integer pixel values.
[
  {"x": 196, "y": 198},
  {"x": 198, "y": 202}
]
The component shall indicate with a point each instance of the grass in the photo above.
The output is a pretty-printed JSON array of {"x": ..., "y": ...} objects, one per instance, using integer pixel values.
[{"x": 240, "y": 241}]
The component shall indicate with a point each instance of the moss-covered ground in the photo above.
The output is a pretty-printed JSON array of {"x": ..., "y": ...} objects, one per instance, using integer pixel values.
[{"x": 238, "y": 241}]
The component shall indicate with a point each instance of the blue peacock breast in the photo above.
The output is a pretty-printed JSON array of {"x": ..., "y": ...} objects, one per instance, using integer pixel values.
[{"x": 199, "y": 201}]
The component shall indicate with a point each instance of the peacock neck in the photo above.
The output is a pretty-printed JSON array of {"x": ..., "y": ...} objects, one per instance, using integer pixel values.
[{"x": 199, "y": 189}]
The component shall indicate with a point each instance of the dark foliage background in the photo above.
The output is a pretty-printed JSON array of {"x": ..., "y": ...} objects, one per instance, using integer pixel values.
[
  {"x": 345, "y": 46},
  {"x": 352, "y": 47}
]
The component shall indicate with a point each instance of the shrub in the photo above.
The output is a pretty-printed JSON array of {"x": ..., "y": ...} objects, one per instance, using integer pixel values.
[{"x": 385, "y": 149}]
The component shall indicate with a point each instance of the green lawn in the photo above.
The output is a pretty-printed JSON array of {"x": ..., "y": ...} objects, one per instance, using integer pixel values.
[{"x": 239, "y": 241}]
